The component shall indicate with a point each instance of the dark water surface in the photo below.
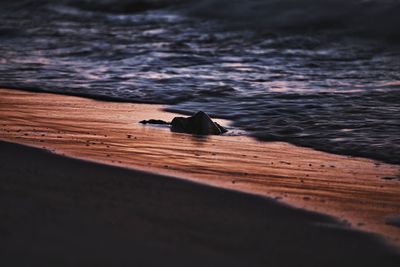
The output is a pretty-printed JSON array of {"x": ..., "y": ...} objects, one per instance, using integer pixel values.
[{"x": 322, "y": 74}]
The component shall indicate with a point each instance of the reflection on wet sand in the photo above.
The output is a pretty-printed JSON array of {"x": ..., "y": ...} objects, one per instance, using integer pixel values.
[{"x": 356, "y": 190}]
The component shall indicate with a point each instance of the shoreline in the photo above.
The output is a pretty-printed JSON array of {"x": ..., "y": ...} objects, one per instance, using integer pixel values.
[{"x": 356, "y": 191}]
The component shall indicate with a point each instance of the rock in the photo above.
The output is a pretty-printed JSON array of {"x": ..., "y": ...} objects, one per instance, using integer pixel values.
[
  {"x": 394, "y": 221},
  {"x": 200, "y": 124},
  {"x": 153, "y": 122}
]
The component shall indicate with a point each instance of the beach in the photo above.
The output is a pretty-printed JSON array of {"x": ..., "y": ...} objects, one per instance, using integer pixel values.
[
  {"x": 66, "y": 212},
  {"x": 142, "y": 194},
  {"x": 302, "y": 167}
]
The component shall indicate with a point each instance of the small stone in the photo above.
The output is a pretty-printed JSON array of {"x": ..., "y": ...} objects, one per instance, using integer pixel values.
[
  {"x": 394, "y": 221},
  {"x": 153, "y": 122},
  {"x": 200, "y": 124}
]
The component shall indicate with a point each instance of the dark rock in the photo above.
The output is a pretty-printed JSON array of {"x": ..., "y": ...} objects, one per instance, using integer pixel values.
[
  {"x": 153, "y": 121},
  {"x": 394, "y": 221},
  {"x": 200, "y": 124}
]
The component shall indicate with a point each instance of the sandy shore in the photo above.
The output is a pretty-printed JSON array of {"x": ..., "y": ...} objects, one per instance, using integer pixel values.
[
  {"x": 57, "y": 211},
  {"x": 361, "y": 192}
]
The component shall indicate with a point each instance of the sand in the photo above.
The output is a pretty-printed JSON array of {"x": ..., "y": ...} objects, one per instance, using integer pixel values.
[
  {"x": 57, "y": 211},
  {"x": 362, "y": 193}
]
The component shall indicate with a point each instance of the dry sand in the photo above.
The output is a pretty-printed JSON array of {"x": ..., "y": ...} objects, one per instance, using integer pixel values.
[{"x": 361, "y": 192}]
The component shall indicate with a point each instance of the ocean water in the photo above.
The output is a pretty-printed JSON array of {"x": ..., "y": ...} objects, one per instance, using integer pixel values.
[{"x": 321, "y": 74}]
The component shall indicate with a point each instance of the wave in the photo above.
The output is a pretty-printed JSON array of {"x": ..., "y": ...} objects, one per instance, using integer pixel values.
[
  {"x": 371, "y": 18},
  {"x": 123, "y": 6}
]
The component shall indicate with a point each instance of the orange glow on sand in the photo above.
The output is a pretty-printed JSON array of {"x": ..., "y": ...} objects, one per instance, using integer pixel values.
[{"x": 360, "y": 191}]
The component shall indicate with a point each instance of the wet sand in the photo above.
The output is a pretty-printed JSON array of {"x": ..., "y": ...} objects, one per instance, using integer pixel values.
[{"x": 360, "y": 192}]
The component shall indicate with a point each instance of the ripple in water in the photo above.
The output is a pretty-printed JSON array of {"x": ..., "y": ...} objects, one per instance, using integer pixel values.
[{"x": 320, "y": 88}]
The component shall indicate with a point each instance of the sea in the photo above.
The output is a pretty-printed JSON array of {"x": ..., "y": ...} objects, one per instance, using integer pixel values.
[{"x": 323, "y": 74}]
